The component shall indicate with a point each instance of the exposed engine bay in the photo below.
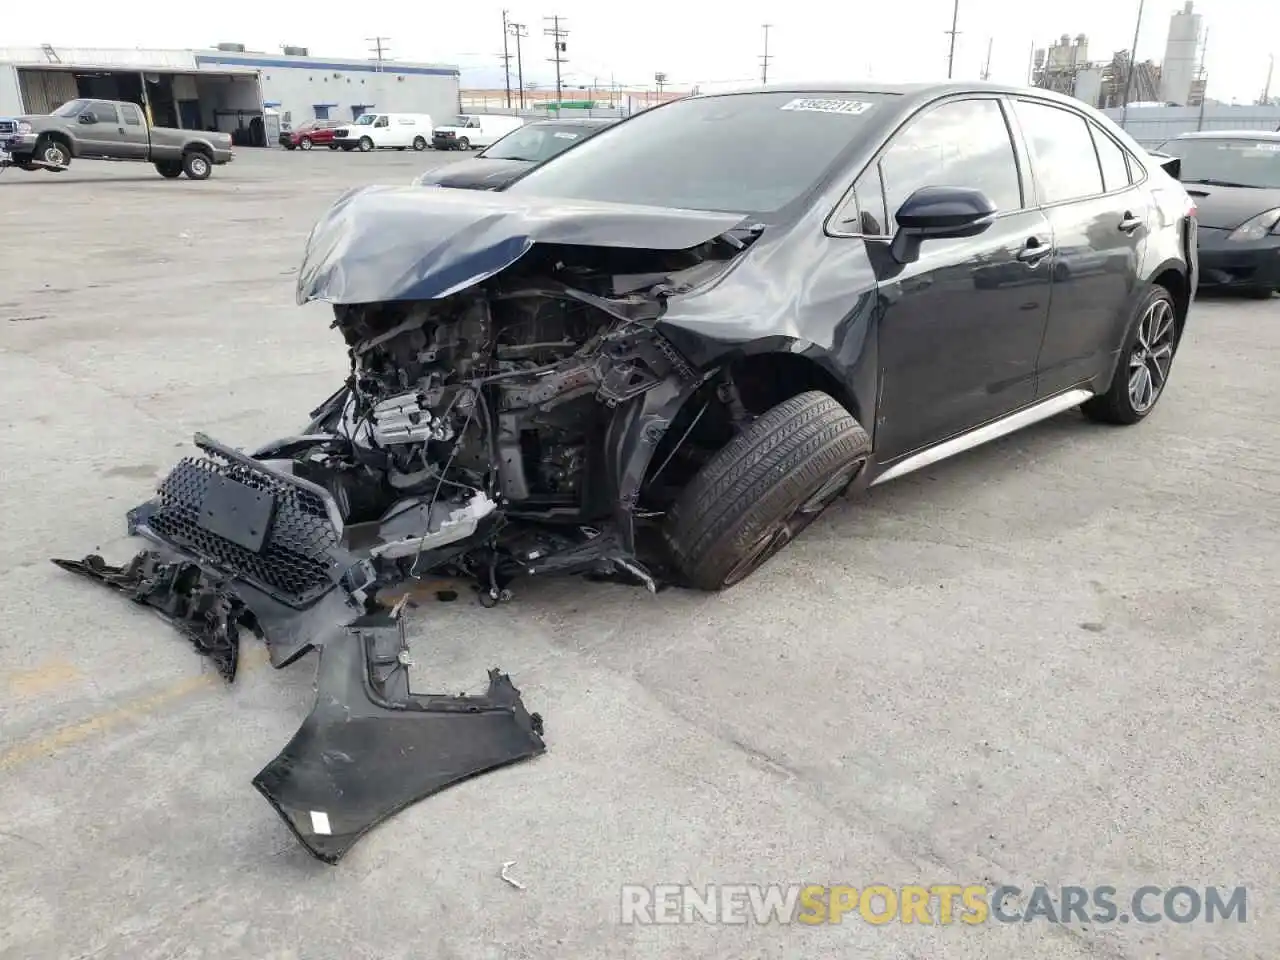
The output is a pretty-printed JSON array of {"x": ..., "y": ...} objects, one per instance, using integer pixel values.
[{"x": 500, "y": 430}]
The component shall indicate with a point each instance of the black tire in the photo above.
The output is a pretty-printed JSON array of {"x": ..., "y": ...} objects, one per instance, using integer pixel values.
[
  {"x": 1117, "y": 405},
  {"x": 419, "y": 144},
  {"x": 333, "y": 146},
  {"x": 763, "y": 488},
  {"x": 464, "y": 144},
  {"x": 347, "y": 147},
  {"x": 305, "y": 143},
  {"x": 1259, "y": 293},
  {"x": 169, "y": 169},
  {"x": 196, "y": 165},
  {"x": 290, "y": 146},
  {"x": 365, "y": 144},
  {"x": 53, "y": 151}
]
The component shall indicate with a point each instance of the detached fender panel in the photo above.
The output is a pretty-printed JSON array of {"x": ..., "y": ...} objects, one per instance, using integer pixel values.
[{"x": 369, "y": 748}]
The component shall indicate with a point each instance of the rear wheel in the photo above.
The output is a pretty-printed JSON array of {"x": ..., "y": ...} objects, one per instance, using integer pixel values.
[
  {"x": 348, "y": 147},
  {"x": 196, "y": 165},
  {"x": 169, "y": 169},
  {"x": 1144, "y": 365},
  {"x": 756, "y": 495},
  {"x": 419, "y": 144},
  {"x": 365, "y": 144},
  {"x": 1259, "y": 293}
]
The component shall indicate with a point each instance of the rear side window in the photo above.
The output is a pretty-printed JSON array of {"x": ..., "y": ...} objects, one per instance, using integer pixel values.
[
  {"x": 1115, "y": 166},
  {"x": 1062, "y": 152},
  {"x": 130, "y": 113}
]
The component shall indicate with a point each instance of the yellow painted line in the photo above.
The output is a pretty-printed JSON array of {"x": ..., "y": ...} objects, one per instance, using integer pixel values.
[
  {"x": 48, "y": 676},
  {"x": 136, "y": 709}
]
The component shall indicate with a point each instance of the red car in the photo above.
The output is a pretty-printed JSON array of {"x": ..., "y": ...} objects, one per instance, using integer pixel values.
[{"x": 313, "y": 133}]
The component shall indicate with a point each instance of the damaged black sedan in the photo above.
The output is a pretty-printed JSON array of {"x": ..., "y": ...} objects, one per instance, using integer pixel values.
[{"x": 658, "y": 356}]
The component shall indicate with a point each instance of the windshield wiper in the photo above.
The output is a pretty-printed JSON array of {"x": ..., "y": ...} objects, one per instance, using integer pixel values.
[{"x": 1209, "y": 182}]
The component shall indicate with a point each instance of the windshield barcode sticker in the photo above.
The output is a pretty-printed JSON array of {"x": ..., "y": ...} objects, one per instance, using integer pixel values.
[{"x": 851, "y": 107}]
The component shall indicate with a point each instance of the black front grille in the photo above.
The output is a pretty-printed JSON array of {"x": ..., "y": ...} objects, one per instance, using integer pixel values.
[
  {"x": 8, "y": 127},
  {"x": 295, "y": 563},
  {"x": 342, "y": 132}
]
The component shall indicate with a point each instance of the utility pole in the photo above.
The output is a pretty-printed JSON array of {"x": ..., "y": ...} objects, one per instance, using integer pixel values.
[
  {"x": 1133, "y": 63},
  {"x": 659, "y": 79},
  {"x": 519, "y": 31},
  {"x": 1204, "y": 77},
  {"x": 379, "y": 50},
  {"x": 557, "y": 34},
  {"x": 506, "y": 56},
  {"x": 1031, "y": 66},
  {"x": 955, "y": 19},
  {"x": 1266, "y": 89},
  {"x": 986, "y": 67},
  {"x": 764, "y": 60}
]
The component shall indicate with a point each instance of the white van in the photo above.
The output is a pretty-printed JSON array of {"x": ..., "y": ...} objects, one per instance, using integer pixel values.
[
  {"x": 473, "y": 130},
  {"x": 380, "y": 131}
]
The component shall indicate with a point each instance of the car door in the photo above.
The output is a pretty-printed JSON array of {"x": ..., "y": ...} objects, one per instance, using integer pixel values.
[
  {"x": 134, "y": 143},
  {"x": 961, "y": 326},
  {"x": 1099, "y": 221},
  {"x": 102, "y": 136}
]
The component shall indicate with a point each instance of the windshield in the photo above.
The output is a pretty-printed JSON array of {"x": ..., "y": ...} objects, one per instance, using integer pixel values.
[
  {"x": 71, "y": 108},
  {"x": 740, "y": 153},
  {"x": 1235, "y": 161},
  {"x": 365, "y": 119},
  {"x": 536, "y": 143}
]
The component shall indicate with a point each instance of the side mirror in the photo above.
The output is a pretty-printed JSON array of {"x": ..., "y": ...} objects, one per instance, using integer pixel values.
[
  {"x": 88, "y": 117},
  {"x": 938, "y": 213}
]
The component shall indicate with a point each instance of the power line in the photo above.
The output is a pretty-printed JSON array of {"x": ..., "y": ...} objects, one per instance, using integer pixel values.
[
  {"x": 765, "y": 58},
  {"x": 955, "y": 19},
  {"x": 519, "y": 31},
  {"x": 506, "y": 57},
  {"x": 557, "y": 33},
  {"x": 379, "y": 49}
]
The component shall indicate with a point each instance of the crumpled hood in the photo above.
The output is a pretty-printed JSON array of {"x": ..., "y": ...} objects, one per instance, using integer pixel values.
[
  {"x": 408, "y": 243},
  {"x": 1225, "y": 208}
]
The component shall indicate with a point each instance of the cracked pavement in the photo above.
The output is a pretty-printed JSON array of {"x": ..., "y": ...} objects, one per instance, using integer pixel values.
[{"x": 1048, "y": 660}]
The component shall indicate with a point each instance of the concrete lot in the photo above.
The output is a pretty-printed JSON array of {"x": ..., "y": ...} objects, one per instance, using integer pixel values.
[{"x": 1050, "y": 660}]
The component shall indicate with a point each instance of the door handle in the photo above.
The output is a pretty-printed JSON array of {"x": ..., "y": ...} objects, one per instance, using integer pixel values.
[
  {"x": 1034, "y": 251},
  {"x": 1130, "y": 223}
]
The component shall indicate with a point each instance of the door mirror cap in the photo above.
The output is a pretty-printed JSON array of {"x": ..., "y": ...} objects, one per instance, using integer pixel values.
[
  {"x": 937, "y": 213},
  {"x": 88, "y": 117}
]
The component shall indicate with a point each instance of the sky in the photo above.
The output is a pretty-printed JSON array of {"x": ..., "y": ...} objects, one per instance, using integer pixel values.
[{"x": 710, "y": 43}]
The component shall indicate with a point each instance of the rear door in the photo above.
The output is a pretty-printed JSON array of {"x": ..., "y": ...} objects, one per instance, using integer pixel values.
[
  {"x": 1100, "y": 221},
  {"x": 960, "y": 327},
  {"x": 134, "y": 143}
]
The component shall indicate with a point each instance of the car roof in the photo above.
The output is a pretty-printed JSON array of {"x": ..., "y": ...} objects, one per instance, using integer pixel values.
[
  {"x": 1272, "y": 135},
  {"x": 909, "y": 91}
]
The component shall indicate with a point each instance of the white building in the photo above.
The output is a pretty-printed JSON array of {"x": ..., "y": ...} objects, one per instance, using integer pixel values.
[
  {"x": 1181, "y": 56},
  {"x": 226, "y": 89}
]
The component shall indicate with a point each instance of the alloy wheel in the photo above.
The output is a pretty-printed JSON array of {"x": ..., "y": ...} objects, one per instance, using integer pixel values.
[
  {"x": 55, "y": 154},
  {"x": 1152, "y": 356}
]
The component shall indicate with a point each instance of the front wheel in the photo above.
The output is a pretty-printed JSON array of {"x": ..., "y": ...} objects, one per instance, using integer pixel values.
[
  {"x": 419, "y": 144},
  {"x": 769, "y": 483},
  {"x": 54, "y": 153},
  {"x": 196, "y": 166},
  {"x": 1145, "y": 361},
  {"x": 464, "y": 144},
  {"x": 305, "y": 143},
  {"x": 365, "y": 144},
  {"x": 333, "y": 146}
]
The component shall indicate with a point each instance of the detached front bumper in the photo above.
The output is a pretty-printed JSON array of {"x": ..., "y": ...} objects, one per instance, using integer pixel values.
[
  {"x": 1227, "y": 264},
  {"x": 240, "y": 544}
]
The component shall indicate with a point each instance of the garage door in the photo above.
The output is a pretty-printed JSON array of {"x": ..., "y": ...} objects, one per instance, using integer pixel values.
[{"x": 43, "y": 91}]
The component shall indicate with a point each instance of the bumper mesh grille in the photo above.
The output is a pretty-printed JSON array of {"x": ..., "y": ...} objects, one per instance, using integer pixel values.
[{"x": 295, "y": 563}]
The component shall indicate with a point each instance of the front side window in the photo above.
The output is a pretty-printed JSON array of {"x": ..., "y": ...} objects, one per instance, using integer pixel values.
[
  {"x": 365, "y": 119},
  {"x": 1061, "y": 151},
  {"x": 1228, "y": 161},
  {"x": 382, "y": 122},
  {"x": 749, "y": 153},
  {"x": 130, "y": 114},
  {"x": 105, "y": 112},
  {"x": 964, "y": 143}
]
